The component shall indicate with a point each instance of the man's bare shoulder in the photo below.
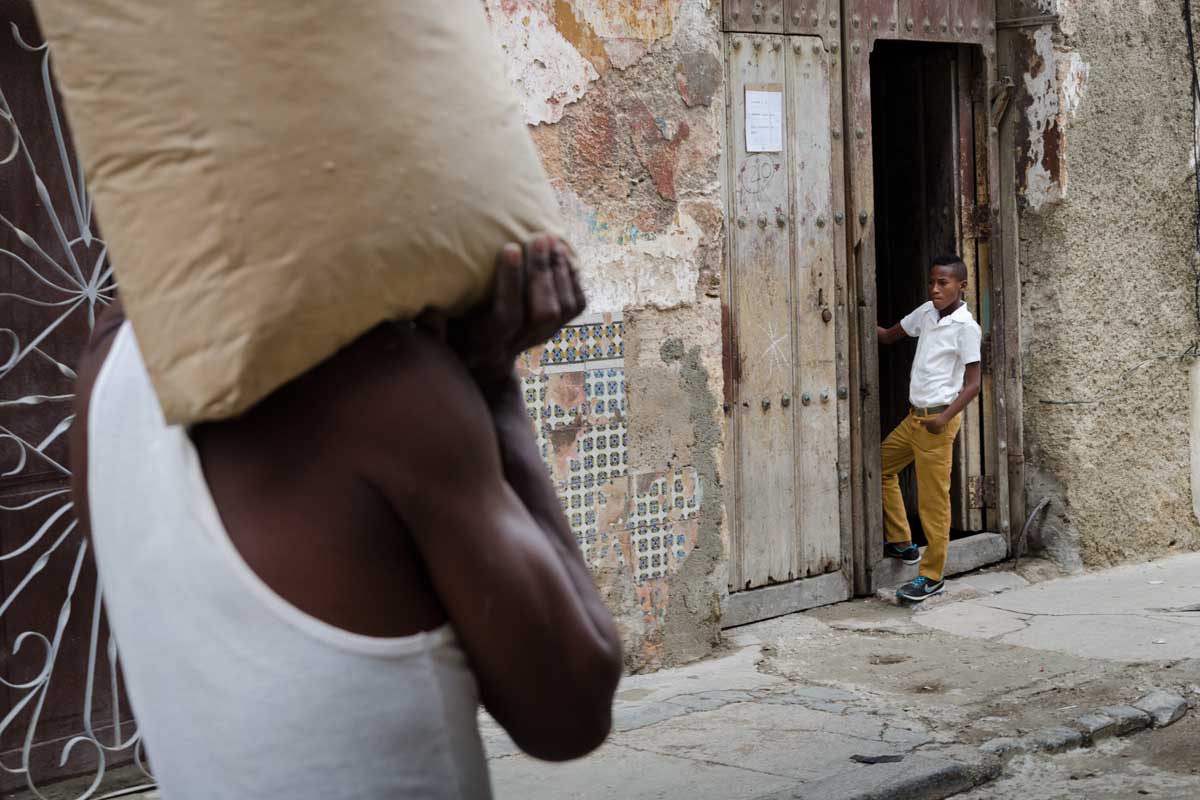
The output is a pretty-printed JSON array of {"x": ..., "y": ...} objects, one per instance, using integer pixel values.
[{"x": 399, "y": 386}]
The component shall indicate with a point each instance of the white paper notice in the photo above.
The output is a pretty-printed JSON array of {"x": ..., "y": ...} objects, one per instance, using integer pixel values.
[{"x": 764, "y": 121}]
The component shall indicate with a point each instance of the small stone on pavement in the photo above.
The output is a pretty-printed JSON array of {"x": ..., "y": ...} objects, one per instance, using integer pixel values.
[{"x": 890, "y": 758}]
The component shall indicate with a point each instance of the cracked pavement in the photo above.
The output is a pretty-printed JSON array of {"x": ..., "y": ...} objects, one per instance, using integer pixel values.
[{"x": 785, "y": 711}]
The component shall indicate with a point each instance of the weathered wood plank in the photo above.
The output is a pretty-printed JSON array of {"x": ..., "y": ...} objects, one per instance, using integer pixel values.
[
  {"x": 1008, "y": 371},
  {"x": 844, "y": 303},
  {"x": 762, "y": 313},
  {"x": 1001, "y": 179},
  {"x": 809, "y": 89},
  {"x": 787, "y": 598},
  {"x": 971, "y": 439}
]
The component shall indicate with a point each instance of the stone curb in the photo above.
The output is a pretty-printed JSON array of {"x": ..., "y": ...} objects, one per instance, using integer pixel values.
[
  {"x": 914, "y": 778},
  {"x": 1164, "y": 708},
  {"x": 1157, "y": 709}
]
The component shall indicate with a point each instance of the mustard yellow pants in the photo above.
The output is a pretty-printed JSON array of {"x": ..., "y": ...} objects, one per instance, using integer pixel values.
[{"x": 934, "y": 456}]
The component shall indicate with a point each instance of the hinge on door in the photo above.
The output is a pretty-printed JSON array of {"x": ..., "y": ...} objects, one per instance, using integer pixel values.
[
  {"x": 1002, "y": 94},
  {"x": 982, "y": 491}
]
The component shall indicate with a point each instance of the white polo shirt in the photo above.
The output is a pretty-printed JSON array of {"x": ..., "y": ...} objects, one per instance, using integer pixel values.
[{"x": 945, "y": 345}]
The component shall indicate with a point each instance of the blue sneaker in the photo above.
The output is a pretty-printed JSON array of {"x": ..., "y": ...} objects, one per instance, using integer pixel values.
[
  {"x": 908, "y": 553},
  {"x": 920, "y": 588}
]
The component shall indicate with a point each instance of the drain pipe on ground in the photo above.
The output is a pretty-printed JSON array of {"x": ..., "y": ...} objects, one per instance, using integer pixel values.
[{"x": 1021, "y": 543}]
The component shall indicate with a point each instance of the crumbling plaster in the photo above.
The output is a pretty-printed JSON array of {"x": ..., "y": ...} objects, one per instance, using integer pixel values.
[
  {"x": 1106, "y": 265},
  {"x": 624, "y": 99}
]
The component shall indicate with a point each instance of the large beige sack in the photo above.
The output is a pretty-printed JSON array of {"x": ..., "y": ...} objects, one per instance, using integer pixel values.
[{"x": 276, "y": 177}]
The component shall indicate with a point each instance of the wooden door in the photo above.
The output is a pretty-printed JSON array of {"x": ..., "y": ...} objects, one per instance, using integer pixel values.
[
  {"x": 60, "y": 714},
  {"x": 787, "y": 403}
]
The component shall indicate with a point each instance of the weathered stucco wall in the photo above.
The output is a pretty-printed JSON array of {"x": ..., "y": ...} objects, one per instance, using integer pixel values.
[
  {"x": 624, "y": 99},
  {"x": 1107, "y": 257}
]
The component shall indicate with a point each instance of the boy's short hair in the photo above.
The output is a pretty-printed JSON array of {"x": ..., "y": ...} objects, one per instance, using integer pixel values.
[{"x": 951, "y": 260}]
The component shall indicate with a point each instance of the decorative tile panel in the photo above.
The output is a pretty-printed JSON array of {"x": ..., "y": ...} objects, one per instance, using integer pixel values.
[
  {"x": 575, "y": 393},
  {"x": 601, "y": 458},
  {"x": 662, "y": 511},
  {"x": 589, "y": 339},
  {"x": 605, "y": 392},
  {"x": 660, "y": 498}
]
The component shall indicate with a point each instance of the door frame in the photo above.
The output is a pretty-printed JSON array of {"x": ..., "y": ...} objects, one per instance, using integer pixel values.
[
  {"x": 853, "y": 27},
  {"x": 964, "y": 22}
]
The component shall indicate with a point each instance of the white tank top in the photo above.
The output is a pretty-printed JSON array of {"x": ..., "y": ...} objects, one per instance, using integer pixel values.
[{"x": 239, "y": 694}]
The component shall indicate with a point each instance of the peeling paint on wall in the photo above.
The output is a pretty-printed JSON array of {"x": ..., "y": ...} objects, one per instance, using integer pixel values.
[
  {"x": 631, "y": 267},
  {"x": 547, "y": 70},
  {"x": 555, "y": 48},
  {"x": 626, "y": 27},
  {"x": 1127, "y": 219},
  {"x": 1054, "y": 87}
]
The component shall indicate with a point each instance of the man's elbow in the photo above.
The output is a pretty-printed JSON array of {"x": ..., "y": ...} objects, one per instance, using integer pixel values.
[
  {"x": 573, "y": 736},
  {"x": 576, "y": 719}
]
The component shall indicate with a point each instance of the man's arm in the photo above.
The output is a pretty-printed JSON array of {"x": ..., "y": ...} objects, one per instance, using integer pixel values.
[
  {"x": 972, "y": 379},
  {"x": 526, "y": 474},
  {"x": 493, "y": 540},
  {"x": 537, "y": 291},
  {"x": 891, "y": 335},
  {"x": 466, "y": 476}
]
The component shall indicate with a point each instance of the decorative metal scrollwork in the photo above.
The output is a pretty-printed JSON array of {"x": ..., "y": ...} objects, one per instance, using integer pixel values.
[{"x": 66, "y": 286}]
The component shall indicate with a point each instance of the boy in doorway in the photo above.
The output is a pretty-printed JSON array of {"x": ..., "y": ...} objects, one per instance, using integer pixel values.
[{"x": 945, "y": 379}]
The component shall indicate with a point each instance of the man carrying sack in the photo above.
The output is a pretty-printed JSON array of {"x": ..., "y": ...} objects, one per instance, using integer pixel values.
[
  {"x": 323, "y": 530},
  {"x": 312, "y": 599}
]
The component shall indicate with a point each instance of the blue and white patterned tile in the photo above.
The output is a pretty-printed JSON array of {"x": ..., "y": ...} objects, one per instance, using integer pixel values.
[
  {"x": 659, "y": 498},
  {"x": 534, "y": 387},
  {"x": 586, "y": 341},
  {"x": 651, "y": 551},
  {"x": 600, "y": 459},
  {"x": 605, "y": 391}
]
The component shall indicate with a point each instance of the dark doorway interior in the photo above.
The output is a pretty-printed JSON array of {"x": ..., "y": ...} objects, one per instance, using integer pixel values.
[{"x": 918, "y": 164}]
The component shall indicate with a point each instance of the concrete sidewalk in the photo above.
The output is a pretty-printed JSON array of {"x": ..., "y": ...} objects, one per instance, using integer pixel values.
[
  {"x": 868, "y": 699},
  {"x": 730, "y": 728},
  {"x": 801, "y": 702},
  {"x": 1134, "y": 613}
]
